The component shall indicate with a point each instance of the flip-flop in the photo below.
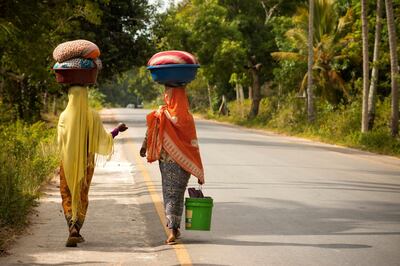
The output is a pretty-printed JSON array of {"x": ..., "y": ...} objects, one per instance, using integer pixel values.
[
  {"x": 170, "y": 240},
  {"x": 173, "y": 242}
]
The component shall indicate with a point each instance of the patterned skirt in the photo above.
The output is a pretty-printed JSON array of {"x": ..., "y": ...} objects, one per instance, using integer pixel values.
[
  {"x": 67, "y": 198},
  {"x": 174, "y": 183}
]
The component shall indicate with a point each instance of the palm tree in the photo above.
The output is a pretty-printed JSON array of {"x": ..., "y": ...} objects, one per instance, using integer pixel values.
[
  {"x": 375, "y": 68},
  {"x": 328, "y": 39},
  {"x": 364, "y": 22},
  {"x": 310, "y": 94},
  {"x": 393, "y": 67}
]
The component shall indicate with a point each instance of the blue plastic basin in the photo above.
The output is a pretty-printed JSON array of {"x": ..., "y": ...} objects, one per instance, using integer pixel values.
[{"x": 173, "y": 73}]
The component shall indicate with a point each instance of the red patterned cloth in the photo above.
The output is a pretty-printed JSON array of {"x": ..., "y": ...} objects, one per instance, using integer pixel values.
[{"x": 172, "y": 57}]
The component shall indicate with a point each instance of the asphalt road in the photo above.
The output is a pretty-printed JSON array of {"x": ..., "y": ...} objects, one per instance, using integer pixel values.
[
  {"x": 287, "y": 201},
  {"x": 278, "y": 201}
]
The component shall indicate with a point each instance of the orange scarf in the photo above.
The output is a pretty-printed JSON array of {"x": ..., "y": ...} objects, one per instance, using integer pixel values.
[{"x": 172, "y": 128}]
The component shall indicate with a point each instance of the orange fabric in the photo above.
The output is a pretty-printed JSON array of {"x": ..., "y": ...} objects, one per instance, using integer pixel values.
[
  {"x": 84, "y": 194},
  {"x": 172, "y": 128},
  {"x": 93, "y": 54}
]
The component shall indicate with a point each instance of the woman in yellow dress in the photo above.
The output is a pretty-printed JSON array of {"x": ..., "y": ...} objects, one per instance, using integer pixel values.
[{"x": 81, "y": 136}]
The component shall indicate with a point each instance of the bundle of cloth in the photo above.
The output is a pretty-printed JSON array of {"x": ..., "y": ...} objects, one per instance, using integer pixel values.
[
  {"x": 77, "y": 54},
  {"x": 172, "y": 57}
]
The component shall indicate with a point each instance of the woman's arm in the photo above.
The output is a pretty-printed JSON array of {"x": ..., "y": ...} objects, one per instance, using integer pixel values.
[{"x": 144, "y": 146}]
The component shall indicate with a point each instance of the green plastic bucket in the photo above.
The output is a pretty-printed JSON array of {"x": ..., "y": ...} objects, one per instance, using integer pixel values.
[{"x": 198, "y": 213}]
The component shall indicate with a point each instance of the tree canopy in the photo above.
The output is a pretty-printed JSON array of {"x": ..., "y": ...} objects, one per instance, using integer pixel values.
[
  {"x": 260, "y": 46},
  {"x": 30, "y": 30}
]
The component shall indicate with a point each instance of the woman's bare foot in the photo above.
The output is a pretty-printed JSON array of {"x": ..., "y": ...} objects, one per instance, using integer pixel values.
[{"x": 171, "y": 240}]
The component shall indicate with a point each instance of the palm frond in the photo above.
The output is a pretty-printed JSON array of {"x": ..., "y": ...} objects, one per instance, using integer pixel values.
[
  {"x": 303, "y": 84},
  {"x": 345, "y": 21},
  {"x": 288, "y": 56},
  {"x": 299, "y": 37}
]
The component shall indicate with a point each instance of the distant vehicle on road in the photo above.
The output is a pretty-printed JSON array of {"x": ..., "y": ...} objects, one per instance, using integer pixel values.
[{"x": 135, "y": 105}]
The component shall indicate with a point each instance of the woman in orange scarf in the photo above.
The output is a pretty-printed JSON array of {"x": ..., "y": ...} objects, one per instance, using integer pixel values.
[{"x": 171, "y": 138}]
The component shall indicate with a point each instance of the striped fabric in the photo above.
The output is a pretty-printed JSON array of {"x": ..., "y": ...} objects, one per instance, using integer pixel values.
[
  {"x": 79, "y": 63},
  {"x": 172, "y": 57}
]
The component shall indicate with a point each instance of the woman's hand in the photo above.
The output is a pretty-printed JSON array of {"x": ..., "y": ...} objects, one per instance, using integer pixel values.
[
  {"x": 122, "y": 127},
  {"x": 143, "y": 152}
]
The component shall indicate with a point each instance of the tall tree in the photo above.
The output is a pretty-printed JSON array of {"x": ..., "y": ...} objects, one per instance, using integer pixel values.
[
  {"x": 122, "y": 33},
  {"x": 202, "y": 28},
  {"x": 364, "y": 23},
  {"x": 329, "y": 41},
  {"x": 255, "y": 29},
  {"x": 310, "y": 43},
  {"x": 253, "y": 18},
  {"x": 375, "y": 66},
  {"x": 394, "y": 68},
  {"x": 255, "y": 68}
]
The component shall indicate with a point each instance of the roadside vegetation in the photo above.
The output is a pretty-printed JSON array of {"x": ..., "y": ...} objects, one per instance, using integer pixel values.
[
  {"x": 340, "y": 125},
  {"x": 28, "y": 158}
]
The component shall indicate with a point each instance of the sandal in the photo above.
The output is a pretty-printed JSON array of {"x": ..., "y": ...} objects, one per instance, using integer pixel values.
[
  {"x": 171, "y": 240},
  {"x": 74, "y": 237}
]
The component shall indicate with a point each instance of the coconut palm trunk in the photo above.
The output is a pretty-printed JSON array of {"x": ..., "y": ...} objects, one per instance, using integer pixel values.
[
  {"x": 364, "y": 22},
  {"x": 375, "y": 67},
  {"x": 394, "y": 69},
  {"x": 310, "y": 94}
]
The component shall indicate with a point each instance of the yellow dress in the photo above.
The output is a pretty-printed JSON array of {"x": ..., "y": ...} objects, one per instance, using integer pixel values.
[{"x": 81, "y": 136}]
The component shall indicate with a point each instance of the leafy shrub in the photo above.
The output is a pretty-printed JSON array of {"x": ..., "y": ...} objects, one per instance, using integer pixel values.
[
  {"x": 96, "y": 98},
  {"x": 339, "y": 124},
  {"x": 381, "y": 141},
  {"x": 289, "y": 114},
  {"x": 27, "y": 157}
]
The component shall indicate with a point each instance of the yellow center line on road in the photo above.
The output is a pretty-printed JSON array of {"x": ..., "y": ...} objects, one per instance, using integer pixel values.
[{"x": 181, "y": 252}]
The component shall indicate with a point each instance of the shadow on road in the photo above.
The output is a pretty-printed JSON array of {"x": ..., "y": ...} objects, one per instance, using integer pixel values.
[
  {"x": 231, "y": 242},
  {"x": 286, "y": 217}
]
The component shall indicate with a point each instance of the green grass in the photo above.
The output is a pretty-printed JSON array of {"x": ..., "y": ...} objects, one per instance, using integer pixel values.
[
  {"x": 334, "y": 124},
  {"x": 28, "y": 157}
]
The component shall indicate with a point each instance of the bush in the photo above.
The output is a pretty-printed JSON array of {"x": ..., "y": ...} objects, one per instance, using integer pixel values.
[
  {"x": 289, "y": 114},
  {"x": 380, "y": 141},
  {"x": 338, "y": 124},
  {"x": 96, "y": 99},
  {"x": 27, "y": 157}
]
